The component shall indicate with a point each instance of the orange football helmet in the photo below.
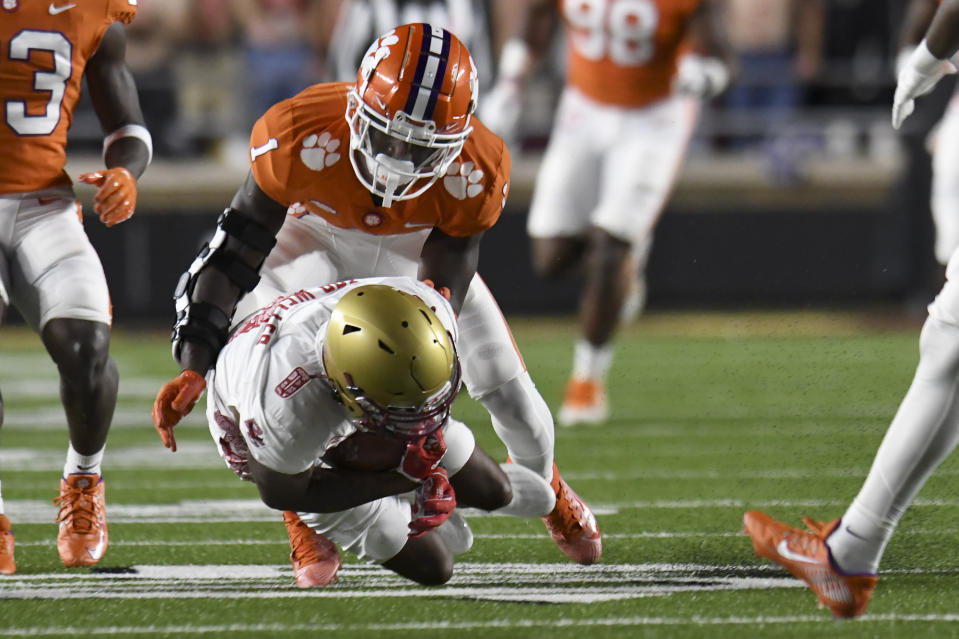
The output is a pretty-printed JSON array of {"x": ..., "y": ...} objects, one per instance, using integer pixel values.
[{"x": 409, "y": 112}]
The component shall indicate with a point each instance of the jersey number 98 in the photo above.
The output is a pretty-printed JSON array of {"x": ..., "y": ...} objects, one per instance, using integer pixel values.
[{"x": 619, "y": 29}]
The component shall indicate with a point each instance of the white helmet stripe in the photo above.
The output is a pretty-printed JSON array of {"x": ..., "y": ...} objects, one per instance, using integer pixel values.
[{"x": 430, "y": 73}]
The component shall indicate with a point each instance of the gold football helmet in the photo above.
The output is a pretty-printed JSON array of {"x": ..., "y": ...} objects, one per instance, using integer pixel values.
[{"x": 391, "y": 361}]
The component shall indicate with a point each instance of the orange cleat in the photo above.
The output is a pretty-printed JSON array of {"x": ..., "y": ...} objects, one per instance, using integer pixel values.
[
  {"x": 83, "y": 538},
  {"x": 7, "y": 566},
  {"x": 585, "y": 403},
  {"x": 806, "y": 555},
  {"x": 315, "y": 558},
  {"x": 572, "y": 524}
]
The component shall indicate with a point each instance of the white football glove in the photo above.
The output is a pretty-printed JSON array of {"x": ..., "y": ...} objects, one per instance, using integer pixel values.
[
  {"x": 500, "y": 109},
  {"x": 917, "y": 77},
  {"x": 700, "y": 77}
]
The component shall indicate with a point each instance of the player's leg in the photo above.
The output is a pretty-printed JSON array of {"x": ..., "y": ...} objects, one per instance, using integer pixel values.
[
  {"x": 923, "y": 433},
  {"x": 565, "y": 190},
  {"x": 480, "y": 482},
  {"x": 59, "y": 287},
  {"x": 494, "y": 374},
  {"x": 7, "y": 564},
  {"x": 639, "y": 169},
  {"x": 840, "y": 560},
  {"x": 601, "y": 301},
  {"x": 88, "y": 385},
  {"x": 634, "y": 300}
]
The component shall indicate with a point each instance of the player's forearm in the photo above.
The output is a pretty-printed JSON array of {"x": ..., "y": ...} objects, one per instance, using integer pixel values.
[
  {"x": 942, "y": 38},
  {"x": 131, "y": 153},
  {"x": 451, "y": 262},
  {"x": 330, "y": 490},
  {"x": 918, "y": 17}
]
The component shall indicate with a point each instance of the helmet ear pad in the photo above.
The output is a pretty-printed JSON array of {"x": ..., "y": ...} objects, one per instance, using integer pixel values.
[{"x": 391, "y": 360}]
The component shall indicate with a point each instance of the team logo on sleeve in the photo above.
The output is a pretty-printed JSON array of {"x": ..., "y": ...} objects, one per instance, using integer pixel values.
[
  {"x": 463, "y": 180},
  {"x": 319, "y": 151}
]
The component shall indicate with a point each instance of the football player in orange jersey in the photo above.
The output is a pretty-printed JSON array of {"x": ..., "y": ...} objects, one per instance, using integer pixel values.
[
  {"x": 387, "y": 175},
  {"x": 635, "y": 72},
  {"x": 49, "y": 271}
]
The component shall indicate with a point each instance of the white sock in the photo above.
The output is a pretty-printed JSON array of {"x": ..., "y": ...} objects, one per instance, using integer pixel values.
[
  {"x": 924, "y": 432},
  {"x": 1, "y": 498},
  {"x": 591, "y": 362},
  {"x": 523, "y": 422},
  {"x": 532, "y": 495},
  {"x": 85, "y": 464}
]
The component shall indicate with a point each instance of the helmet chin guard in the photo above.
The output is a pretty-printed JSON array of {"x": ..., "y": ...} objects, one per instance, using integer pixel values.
[{"x": 409, "y": 112}]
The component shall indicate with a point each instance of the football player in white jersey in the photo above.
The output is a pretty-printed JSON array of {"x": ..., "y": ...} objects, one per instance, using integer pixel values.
[
  {"x": 388, "y": 175},
  {"x": 840, "y": 560},
  {"x": 336, "y": 402}
]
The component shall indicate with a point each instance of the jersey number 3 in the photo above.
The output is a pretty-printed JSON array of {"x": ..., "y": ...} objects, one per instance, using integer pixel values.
[
  {"x": 53, "y": 82},
  {"x": 620, "y": 29}
]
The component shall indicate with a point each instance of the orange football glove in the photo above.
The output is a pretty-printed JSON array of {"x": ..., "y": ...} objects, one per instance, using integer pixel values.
[
  {"x": 174, "y": 402},
  {"x": 116, "y": 196}
]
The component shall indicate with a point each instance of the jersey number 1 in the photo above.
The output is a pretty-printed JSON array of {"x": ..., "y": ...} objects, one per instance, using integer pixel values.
[{"x": 52, "y": 82}]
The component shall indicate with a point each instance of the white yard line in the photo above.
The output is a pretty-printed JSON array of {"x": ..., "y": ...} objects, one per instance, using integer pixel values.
[
  {"x": 515, "y": 582},
  {"x": 23, "y": 511},
  {"x": 639, "y": 621}
]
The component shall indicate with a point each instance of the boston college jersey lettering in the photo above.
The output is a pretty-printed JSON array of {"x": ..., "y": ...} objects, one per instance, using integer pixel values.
[
  {"x": 624, "y": 52},
  {"x": 299, "y": 153},
  {"x": 44, "y": 47}
]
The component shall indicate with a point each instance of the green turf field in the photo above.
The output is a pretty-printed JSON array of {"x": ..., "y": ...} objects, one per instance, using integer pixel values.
[{"x": 713, "y": 414}]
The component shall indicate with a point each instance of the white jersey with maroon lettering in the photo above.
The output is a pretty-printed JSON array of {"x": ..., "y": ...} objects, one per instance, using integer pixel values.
[
  {"x": 269, "y": 378},
  {"x": 268, "y": 400}
]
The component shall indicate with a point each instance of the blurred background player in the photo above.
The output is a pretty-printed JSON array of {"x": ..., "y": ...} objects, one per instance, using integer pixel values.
[
  {"x": 840, "y": 560},
  {"x": 49, "y": 270},
  {"x": 336, "y": 402},
  {"x": 635, "y": 73},
  {"x": 406, "y": 184}
]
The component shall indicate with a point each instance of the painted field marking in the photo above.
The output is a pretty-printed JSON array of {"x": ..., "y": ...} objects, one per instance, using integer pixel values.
[
  {"x": 517, "y": 582},
  {"x": 603, "y": 622},
  {"x": 28, "y": 511}
]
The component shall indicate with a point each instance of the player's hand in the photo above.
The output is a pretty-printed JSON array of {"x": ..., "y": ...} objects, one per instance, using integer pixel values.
[
  {"x": 174, "y": 402},
  {"x": 116, "y": 196},
  {"x": 700, "y": 77},
  {"x": 919, "y": 74},
  {"x": 443, "y": 290},
  {"x": 435, "y": 500},
  {"x": 501, "y": 107},
  {"x": 422, "y": 456}
]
